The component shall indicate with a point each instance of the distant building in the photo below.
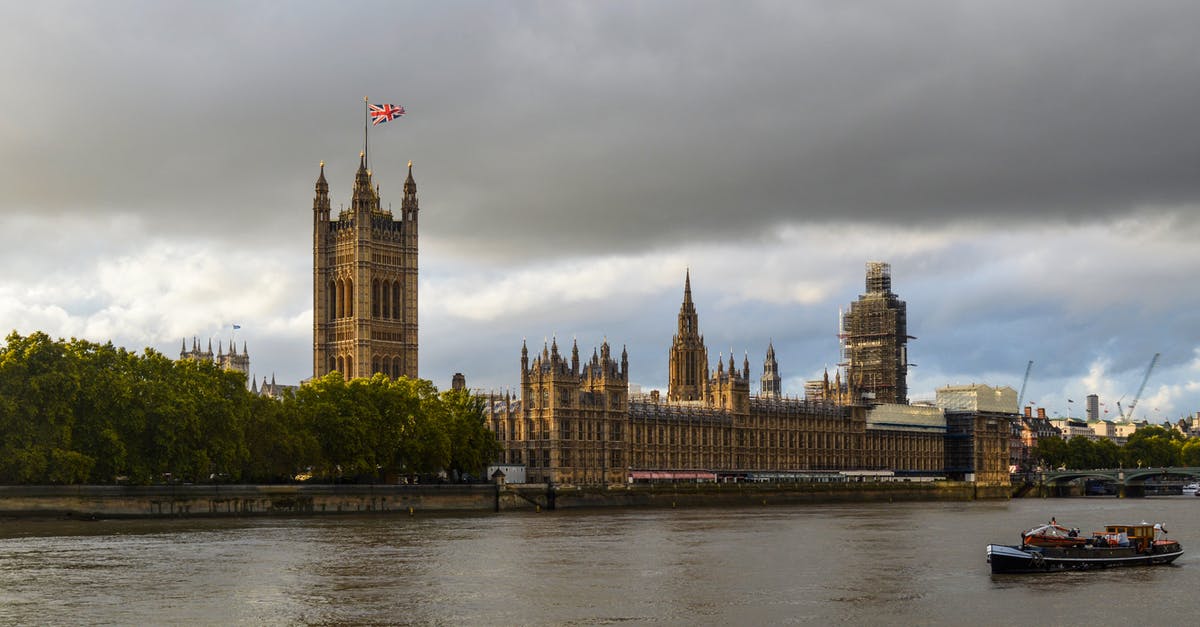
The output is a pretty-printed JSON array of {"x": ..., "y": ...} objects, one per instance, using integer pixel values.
[
  {"x": 1118, "y": 432},
  {"x": 979, "y": 426},
  {"x": 1093, "y": 407},
  {"x": 875, "y": 338},
  {"x": 365, "y": 281},
  {"x": 978, "y": 397},
  {"x": 1027, "y": 432},
  {"x": 271, "y": 389},
  {"x": 1071, "y": 427},
  {"x": 232, "y": 360}
]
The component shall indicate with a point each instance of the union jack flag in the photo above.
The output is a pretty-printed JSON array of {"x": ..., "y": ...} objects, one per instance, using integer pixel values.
[{"x": 385, "y": 113}]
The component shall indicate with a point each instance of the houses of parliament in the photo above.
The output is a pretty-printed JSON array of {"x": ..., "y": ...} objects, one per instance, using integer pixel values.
[{"x": 576, "y": 421}]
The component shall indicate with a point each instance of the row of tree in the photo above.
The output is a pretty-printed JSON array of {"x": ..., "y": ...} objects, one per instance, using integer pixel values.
[
  {"x": 1151, "y": 447},
  {"x": 74, "y": 412}
]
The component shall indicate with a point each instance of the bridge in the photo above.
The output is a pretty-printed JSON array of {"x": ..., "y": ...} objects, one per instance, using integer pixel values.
[{"x": 1130, "y": 481}]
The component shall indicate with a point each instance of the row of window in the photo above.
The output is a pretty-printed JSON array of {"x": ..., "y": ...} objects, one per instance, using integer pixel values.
[
  {"x": 387, "y": 299},
  {"x": 390, "y": 366}
]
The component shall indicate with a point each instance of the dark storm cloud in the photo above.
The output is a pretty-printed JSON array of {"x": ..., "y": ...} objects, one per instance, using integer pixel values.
[{"x": 633, "y": 123}]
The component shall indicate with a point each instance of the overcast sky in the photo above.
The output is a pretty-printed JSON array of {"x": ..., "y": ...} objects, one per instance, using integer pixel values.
[{"x": 1031, "y": 171}]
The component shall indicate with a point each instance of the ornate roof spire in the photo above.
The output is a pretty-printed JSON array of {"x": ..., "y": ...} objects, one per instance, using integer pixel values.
[{"x": 687, "y": 286}]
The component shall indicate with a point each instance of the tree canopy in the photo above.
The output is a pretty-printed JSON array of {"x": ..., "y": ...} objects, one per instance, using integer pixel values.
[
  {"x": 1148, "y": 447},
  {"x": 73, "y": 411}
]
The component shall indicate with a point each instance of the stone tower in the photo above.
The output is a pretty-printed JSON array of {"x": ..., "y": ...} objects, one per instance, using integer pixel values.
[
  {"x": 875, "y": 341},
  {"x": 688, "y": 358},
  {"x": 771, "y": 382},
  {"x": 234, "y": 360},
  {"x": 365, "y": 282}
]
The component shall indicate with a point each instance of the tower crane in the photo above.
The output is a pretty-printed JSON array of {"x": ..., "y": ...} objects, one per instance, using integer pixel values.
[
  {"x": 1141, "y": 388},
  {"x": 1021, "y": 396}
]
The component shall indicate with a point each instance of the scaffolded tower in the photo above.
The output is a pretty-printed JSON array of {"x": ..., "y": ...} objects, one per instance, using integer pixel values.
[{"x": 875, "y": 338}]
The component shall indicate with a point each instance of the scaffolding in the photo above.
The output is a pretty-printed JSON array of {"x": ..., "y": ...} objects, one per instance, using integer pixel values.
[{"x": 874, "y": 340}]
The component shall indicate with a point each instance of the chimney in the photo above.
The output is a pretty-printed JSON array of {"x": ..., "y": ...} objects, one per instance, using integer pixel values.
[
  {"x": 1042, "y": 413},
  {"x": 1028, "y": 412}
]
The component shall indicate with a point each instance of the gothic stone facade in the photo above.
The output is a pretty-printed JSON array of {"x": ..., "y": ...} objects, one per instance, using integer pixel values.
[
  {"x": 576, "y": 422},
  {"x": 365, "y": 282}
]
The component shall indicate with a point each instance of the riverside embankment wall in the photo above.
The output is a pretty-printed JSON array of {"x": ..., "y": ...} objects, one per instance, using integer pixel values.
[{"x": 198, "y": 501}]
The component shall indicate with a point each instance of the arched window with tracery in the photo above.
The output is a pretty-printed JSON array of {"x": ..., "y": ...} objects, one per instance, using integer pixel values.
[
  {"x": 397, "y": 312},
  {"x": 375, "y": 298},
  {"x": 386, "y": 299}
]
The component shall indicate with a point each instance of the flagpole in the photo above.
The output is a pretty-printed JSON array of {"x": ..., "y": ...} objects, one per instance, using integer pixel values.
[{"x": 365, "y": 117}]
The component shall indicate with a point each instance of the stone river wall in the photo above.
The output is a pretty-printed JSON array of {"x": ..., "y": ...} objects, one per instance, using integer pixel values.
[{"x": 292, "y": 500}]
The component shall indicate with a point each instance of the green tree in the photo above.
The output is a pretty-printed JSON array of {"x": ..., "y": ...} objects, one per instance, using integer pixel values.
[
  {"x": 472, "y": 444},
  {"x": 1107, "y": 453},
  {"x": 279, "y": 445},
  {"x": 39, "y": 381},
  {"x": 1051, "y": 451},
  {"x": 1080, "y": 453},
  {"x": 1189, "y": 454},
  {"x": 1153, "y": 446}
]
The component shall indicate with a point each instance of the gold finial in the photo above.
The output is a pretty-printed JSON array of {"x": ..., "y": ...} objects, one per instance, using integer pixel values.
[
  {"x": 410, "y": 163},
  {"x": 364, "y": 98},
  {"x": 361, "y": 154},
  {"x": 368, "y": 173},
  {"x": 322, "y": 163}
]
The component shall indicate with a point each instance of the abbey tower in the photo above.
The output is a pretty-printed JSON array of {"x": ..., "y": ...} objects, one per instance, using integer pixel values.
[{"x": 365, "y": 282}]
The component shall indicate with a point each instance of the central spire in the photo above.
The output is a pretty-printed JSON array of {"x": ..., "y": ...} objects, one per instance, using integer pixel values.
[
  {"x": 688, "y": 357},
  {"x": 687, "y": 286},
  {"x": 364, "y": 197}
]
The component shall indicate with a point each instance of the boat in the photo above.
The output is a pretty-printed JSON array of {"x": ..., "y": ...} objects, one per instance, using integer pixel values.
[
  {"x": 1141, "y": 544},
  {"x": 1052, "y": 534}
]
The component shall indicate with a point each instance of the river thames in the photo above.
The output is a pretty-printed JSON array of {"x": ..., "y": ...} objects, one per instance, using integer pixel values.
[{"x": 877, "y": 564}]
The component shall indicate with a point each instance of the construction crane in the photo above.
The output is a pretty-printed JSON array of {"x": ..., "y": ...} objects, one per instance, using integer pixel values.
[
  {"x": 1141, "y": 388},
  {"x": 1021, "y": 396}
]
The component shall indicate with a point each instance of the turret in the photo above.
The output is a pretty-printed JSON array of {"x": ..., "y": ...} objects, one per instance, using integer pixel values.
[
  {"x": 364, "y": 201},
  {"x": 409, "y": 204}
]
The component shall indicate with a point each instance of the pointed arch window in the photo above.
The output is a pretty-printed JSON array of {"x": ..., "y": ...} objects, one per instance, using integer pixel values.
[
  {"x": 396, "y": 311},
  {"x": 332, "y": 297},
  {"x": 386, "y": 296},
  {"x": 375, "y": 298}
]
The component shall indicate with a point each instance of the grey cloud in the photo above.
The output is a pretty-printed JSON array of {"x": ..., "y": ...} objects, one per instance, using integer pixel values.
[{"x": 633, "y": 123}]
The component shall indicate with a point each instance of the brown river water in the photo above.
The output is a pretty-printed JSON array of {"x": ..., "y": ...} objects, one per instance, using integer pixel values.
[{"x": 874, "y": 564}]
